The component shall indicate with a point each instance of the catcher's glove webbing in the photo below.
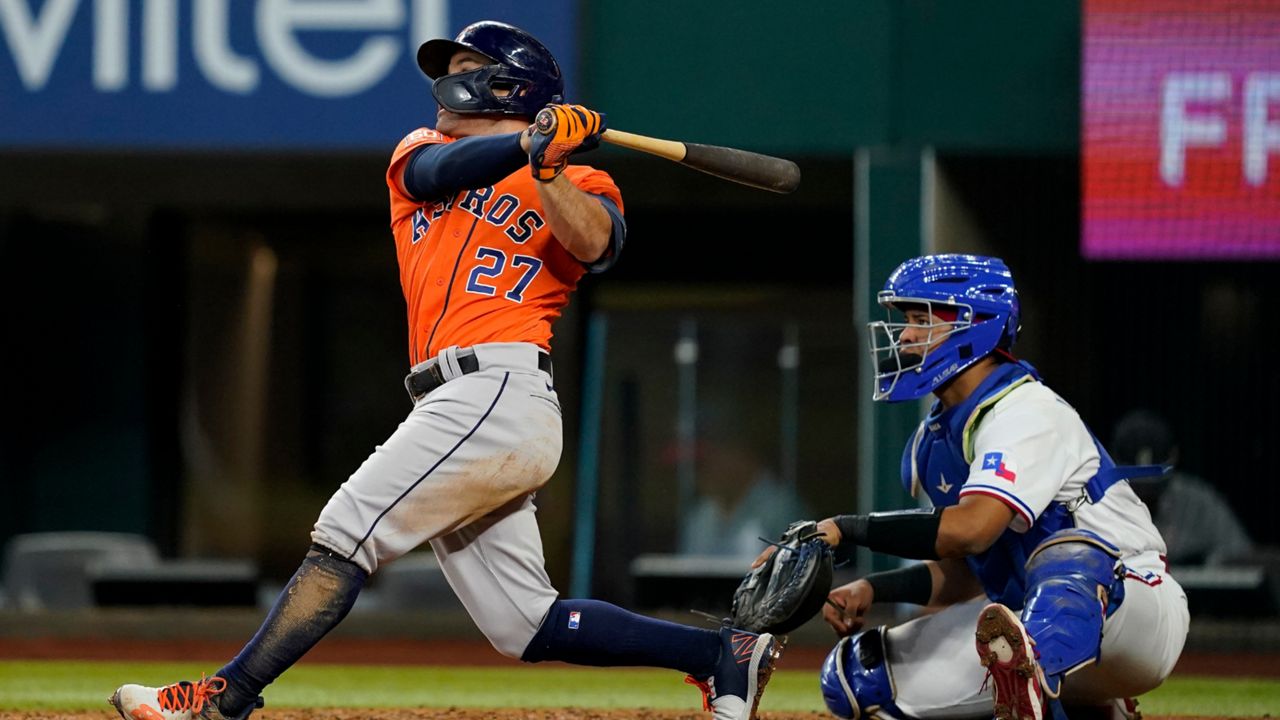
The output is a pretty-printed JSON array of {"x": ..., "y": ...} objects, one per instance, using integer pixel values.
[{"x": 790, "y": 587}]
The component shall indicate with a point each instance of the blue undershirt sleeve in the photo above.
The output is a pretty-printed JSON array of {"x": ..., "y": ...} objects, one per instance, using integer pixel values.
[
  {"x": 617, "y": 236},
  {"x": 438, "y": 171}
]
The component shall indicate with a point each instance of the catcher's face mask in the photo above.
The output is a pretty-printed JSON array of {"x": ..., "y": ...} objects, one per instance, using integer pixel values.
[
  {"x": 494, "y": 89},
  {"x": 912, "y": 346}
]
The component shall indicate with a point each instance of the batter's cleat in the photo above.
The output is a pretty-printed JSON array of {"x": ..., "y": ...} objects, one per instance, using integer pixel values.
[
  {"x": 179, "y": 701},
  {"x": 746, "y": 663},
  {"x": 1007, "y": 652}
]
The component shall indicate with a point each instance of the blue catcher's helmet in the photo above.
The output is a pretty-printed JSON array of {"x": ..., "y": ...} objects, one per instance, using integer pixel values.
[
  {"x": 836, "y": 691},
  {"x": 521, "y": 66},
  {"x": 975, "y": 297},
  {"x": 855, "y": 678}
]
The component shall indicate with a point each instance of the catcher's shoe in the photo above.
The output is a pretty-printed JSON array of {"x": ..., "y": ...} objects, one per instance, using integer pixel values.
[
  {"x": 1008, "y": 653},
  {"x": 746, "y": 663},
  {"x": 179, "y": 701},
  {"x": 1126, "y": 709}
]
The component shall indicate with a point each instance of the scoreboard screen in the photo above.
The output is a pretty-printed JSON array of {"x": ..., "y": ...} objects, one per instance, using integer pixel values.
[{"x": 1181, "y": 129}]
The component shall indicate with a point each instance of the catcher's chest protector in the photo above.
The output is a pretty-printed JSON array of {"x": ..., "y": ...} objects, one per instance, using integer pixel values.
[{"x": 937, "y": 462}]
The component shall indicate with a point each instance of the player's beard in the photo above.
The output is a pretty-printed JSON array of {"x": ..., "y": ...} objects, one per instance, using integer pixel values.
[{"x": 899, "y": 362}]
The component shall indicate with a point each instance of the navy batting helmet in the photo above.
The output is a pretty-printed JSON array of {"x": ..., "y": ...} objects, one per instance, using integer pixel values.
[{"x": 522, "y": 79}]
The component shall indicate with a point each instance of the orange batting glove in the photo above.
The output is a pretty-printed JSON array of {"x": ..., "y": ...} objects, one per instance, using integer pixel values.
[{"x": 557, "y": 132}]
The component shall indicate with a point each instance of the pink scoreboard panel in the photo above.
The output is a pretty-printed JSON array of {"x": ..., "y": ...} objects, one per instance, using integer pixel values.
[{"x": 1181, "y": 129}]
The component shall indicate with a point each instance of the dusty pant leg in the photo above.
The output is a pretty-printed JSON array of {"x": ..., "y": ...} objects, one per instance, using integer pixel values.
[
  {"x": 1141, "y": 643},
  {"x": 495, "y": 566},
  {"x": 315, "y": 600},
  {"x": 934, "y": 667},
  {"x": 470, "y": 446}
]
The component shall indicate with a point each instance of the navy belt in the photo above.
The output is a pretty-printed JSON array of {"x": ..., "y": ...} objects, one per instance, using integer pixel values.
[{"x": 430, "y": 377}]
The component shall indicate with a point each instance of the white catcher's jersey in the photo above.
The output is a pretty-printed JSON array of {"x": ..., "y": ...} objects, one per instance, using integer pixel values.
[{"x": 1032, "y": 448}]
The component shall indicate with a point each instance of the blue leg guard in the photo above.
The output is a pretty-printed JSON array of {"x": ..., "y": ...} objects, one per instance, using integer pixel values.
[
  {"x": 856, "y": 681},
  {"x": 1074, "y": 582}
]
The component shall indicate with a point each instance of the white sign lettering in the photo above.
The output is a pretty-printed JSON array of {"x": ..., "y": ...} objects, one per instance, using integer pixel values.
[
  {"x": 1261, "y": 134},
  {"x": 36, "y": 38},
  {"x": 1179, "y": 129}
]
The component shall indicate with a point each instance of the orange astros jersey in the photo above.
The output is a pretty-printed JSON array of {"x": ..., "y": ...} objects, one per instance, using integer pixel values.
[{"x": 482, "y": 266}]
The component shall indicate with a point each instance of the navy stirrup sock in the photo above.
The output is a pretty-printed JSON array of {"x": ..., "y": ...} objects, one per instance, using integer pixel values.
[
  {"x": 590, "y": 632},
  {"x": 317, "y": 598}
]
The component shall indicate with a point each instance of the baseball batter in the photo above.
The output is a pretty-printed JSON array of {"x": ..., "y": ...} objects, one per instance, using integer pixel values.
[
  {"x": 493, "y": 230},
  {"x": 1034, "y": 536}
]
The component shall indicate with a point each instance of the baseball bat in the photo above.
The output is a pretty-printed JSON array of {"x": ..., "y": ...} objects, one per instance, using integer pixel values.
[{"x": 758, "y": 171}]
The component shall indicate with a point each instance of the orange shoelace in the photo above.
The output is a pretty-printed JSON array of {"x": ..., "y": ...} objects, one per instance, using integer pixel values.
[
  {"x": 190, "y": 696},
  {"x": 705, "y": 687}
]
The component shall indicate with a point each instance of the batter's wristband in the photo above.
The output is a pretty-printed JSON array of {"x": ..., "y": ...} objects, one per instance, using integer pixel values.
[
  {"x": 911, "y": 584},
  {"x": 905, "y": 533}
]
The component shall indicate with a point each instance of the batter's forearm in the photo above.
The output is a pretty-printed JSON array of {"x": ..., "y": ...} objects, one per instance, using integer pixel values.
[
  {"x": 438, "y": 171},
  {"x": 577, "y": 219}
]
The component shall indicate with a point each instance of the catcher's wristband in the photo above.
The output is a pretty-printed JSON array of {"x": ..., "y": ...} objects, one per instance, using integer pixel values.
[
  {"x": 911, "y": 584},
  {"x": 905, "y": 533}
]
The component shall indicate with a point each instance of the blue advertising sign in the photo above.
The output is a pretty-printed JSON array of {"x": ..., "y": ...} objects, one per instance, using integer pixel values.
[{"x": 236, "y": 74}]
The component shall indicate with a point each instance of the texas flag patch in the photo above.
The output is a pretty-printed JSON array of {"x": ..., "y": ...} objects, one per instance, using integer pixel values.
[
  {"x": 1003, "y": 469},
  {"x": 574, "y": 618}
]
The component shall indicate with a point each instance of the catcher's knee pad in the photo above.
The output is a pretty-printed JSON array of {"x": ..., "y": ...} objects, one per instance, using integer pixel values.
[
  {"x": 856, "y": 680},
  {"x": 1075, "y": 580}
]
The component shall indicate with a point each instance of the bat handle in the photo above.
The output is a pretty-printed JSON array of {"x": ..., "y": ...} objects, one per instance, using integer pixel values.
[{"x": 669, "y": 149}]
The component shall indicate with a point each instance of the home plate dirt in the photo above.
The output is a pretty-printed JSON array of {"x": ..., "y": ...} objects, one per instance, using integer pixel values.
[{"x": 474, "y": 714}]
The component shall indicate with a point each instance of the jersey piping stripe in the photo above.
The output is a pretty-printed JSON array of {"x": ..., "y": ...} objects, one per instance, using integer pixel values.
[
  {"x": 1012, "y": 501},
  {"x": 971, "y": 425},
  {"x": 424, "y": 475},
  {"x": 1150, "y": 578},
  {"x": 449, "y": 292}
]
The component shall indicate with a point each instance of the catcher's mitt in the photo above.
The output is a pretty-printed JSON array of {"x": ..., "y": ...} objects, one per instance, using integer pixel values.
[{"x": 790, "y": 587}]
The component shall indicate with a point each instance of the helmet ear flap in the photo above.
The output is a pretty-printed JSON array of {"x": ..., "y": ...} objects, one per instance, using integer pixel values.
[{"x": 1010, "y": 333}]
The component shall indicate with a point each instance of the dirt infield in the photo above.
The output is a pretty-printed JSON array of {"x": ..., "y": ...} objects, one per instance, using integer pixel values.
[
  {"x": 470, "y": 714},
  {"x": 447, "y": 714}
]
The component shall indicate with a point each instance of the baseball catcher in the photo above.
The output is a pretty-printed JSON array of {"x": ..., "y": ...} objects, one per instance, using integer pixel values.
[{"x": 1036, "y": 549}]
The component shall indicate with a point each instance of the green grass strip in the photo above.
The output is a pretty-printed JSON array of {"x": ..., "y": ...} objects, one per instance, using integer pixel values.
[
  {"x": 71, "y": 686},
  {"x": 1214, "y": 696},
  {"x": 85, "y": 685}
]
